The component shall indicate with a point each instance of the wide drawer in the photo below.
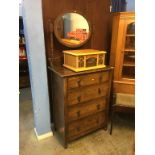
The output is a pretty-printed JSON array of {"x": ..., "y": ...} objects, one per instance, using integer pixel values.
[
  {"x": 89, "y": 79},
  {"x": 87, "y": 93},
  {"x": 82, "y": 126},
  {"x": 87, "y": 108}
]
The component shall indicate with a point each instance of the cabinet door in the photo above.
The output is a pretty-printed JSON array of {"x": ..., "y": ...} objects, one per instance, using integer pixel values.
[{"x": 127, "y": 67}]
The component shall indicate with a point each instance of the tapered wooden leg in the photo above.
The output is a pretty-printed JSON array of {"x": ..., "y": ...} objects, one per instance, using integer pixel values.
[
  {"x": 111, "y": 122},
  {"x": 54, "y": 128},
  {"x": 111, "y": 125},
  {"x": 105, "y": 127},
  {"x": 65, "y": 145}
]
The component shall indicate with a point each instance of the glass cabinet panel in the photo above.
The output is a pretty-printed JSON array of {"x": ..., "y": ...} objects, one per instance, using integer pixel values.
[{"x": 128, "y": 67}]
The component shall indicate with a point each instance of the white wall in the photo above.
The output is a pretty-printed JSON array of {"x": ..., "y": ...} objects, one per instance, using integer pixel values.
[{"x": 20, "y": 7}]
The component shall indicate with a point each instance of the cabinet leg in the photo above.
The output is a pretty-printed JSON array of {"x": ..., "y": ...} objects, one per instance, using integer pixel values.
[
  {"x": 105, "y": 128},
  {"x": 54, "y": 128},
  {"x": 65, "y": 145},
  {"x": 111, "y": 122}
]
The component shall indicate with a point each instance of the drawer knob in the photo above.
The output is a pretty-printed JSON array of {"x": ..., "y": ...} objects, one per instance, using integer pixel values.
[
  {"x": 98, "y": 107},
  {"x": 78, "y": 128},
  {"x": 99, "y": 91},
  {"x": 79, "y": 98},
  {"x": 78, "y": 113},
  {"x": 79, "y": 83}
]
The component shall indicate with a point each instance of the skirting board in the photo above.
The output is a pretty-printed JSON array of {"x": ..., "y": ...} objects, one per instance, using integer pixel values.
[{"x": 43, "y": 136}]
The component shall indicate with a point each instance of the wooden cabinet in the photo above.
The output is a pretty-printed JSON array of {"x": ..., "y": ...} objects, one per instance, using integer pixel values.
[
  {"x": 122, "y": 55},
  {"x": 80, "y": 101}
]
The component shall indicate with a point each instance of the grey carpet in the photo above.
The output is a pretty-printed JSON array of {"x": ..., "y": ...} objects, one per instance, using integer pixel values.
[{"x": 97, "y": 143}]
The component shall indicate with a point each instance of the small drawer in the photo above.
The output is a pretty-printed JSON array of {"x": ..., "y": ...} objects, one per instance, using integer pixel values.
[
  {"x": 88, "y": 108},
  {"x": 88, "y": 93},
  {"x": 84, "y": 125},
  {"x": 86, "y": 80}
]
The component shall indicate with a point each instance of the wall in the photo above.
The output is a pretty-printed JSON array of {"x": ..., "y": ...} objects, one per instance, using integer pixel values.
[
  {"x": 20, "y": 10},
  {"x": 130, "y": 5},
  {"x": 123, "y": 5},
  {"x": 33, "y": 29}
]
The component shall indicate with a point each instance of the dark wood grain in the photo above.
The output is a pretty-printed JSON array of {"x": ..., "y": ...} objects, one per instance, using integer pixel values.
[
  {"x": 87, "y": 102},
  {"x": 90, "y": 79},
  {"x": 87, "y": 108},
  {"x": 88, "y": 93},
  {"x": 58, "y": 106},
  {"x": 98, "y": 15},
  {"x": 80, "y": 126},
  {"x": 64, "y": 72}
]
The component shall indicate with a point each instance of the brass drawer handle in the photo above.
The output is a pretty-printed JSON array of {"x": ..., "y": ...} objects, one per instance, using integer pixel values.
[
  {"x": 79, "y": 82},
  {"x": 98, "y": 107},
  {"x": 79, "y": 98},
  {"x": 99, "y": 91},
  {"x": 78, "y": 113}
]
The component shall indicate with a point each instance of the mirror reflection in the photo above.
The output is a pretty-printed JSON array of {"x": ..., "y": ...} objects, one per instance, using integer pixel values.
[{"x": 72, "y": 29}]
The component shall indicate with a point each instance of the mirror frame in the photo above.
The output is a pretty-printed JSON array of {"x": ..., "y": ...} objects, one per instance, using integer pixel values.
[{"x": 60, "y": 40}]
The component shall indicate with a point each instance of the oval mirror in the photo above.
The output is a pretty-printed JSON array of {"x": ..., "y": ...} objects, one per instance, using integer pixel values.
[{"x": 72, "y": 29}]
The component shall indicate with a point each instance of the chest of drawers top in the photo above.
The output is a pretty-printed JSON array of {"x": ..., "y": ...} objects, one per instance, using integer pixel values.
[{"x": 64, "y": 72}]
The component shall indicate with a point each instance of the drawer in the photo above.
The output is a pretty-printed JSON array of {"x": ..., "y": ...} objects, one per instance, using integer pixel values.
[
  {"x": 88, "y": 108},
  {"x": 89, "y": 79},
  {"x": 86, "y": 124},
  {"x": 87, "y": 93}
]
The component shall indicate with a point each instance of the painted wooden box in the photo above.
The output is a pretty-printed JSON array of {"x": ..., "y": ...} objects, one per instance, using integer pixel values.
[{"x": 86, "y": 59}]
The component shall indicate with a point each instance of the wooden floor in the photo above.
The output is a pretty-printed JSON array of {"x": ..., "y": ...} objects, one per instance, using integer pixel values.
[{"x": 97, "y": 143}]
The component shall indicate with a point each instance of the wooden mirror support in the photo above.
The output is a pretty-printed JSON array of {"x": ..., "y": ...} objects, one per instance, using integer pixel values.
[{"x": 72, "y": 29}]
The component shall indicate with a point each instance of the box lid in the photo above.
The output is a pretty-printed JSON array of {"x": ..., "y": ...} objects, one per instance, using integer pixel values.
[{"x": 84, "y": 52}]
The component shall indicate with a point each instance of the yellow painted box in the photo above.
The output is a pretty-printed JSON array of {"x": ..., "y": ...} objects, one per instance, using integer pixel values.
[{"x": 86, "y": 59}]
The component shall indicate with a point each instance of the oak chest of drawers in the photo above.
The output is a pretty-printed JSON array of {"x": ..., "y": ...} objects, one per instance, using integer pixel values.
[{"x": 80, "y": 101}]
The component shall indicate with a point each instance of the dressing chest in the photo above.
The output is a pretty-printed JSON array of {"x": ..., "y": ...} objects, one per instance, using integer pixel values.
[{"x": 80, "y": 101}]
